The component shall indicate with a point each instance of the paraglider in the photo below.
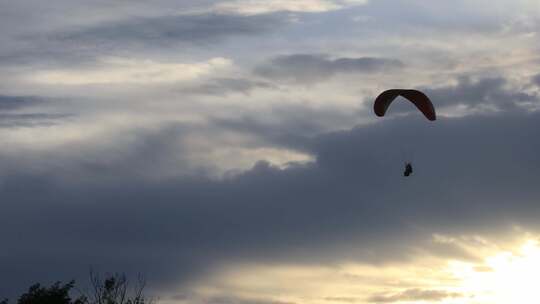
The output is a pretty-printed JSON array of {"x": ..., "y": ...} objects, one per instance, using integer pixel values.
[{"x": 419, "y": 99}]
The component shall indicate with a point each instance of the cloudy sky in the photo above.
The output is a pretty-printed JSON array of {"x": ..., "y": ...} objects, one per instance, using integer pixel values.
[{"x": 228, "y": 149}]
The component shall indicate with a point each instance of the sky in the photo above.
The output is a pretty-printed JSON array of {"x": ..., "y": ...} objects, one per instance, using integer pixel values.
[{"x": 228, "y": 150}]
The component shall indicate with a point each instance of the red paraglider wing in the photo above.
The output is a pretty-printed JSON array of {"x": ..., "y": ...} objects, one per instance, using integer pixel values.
[{"x": 419, "y": 99}]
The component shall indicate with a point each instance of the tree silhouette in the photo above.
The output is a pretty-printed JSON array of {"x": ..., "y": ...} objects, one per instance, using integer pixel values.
[
  {"x": 113, "y": 289},
  {"x": 55, "y": 294}
]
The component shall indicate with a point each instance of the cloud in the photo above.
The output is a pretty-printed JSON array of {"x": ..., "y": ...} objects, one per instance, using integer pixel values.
[
  {"x": 495, "y": 92},
  {"x": 536, "y": 80},
  {"x": 350, "y": 204},
  {"x": 30, "y": 120},
  {"x": 342, "y": 299},
  {"x": 309, "y": 68},
  {"x": 17, "y": 102},
  {"x": 166, "y": 30},
  {"x": 254, "y": 7},
  {"x": 81, "y": 44},
  {"x": 224, "y": 86},
  {"x": 131, "y": 71},
  {"x": 17, "y": 112},
  {"x": 239, "y": 300},
  {"x": 286, "y": 126},
  {"x": 414, "y": 295}
]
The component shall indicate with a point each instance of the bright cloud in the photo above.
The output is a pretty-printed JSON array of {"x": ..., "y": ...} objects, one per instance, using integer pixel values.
[
  {"x": 255, "y": 7},
  {"x": 131, "y": 71}
]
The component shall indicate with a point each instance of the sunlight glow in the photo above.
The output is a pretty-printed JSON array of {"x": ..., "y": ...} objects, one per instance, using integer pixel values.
[
  {"x": 505, "y": 274},
  {"x": 507, "y": 277}
]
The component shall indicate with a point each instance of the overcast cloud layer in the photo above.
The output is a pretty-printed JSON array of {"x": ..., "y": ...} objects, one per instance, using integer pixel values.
[{"x": 188, "y": 141}]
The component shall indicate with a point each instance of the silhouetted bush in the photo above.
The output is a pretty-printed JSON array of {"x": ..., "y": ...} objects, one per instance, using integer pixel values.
[
  {"x": 113, "y": 289},
  {"x": 56, "y": 294}
]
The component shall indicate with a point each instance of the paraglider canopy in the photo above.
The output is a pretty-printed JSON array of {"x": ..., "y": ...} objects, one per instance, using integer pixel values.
[{"x": 419, "y": 99}]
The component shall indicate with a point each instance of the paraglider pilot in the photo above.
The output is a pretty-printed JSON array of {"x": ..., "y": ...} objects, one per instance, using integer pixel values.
[
  {"x": 408, "y": 169},
  {"x": 419, "y": 99}
]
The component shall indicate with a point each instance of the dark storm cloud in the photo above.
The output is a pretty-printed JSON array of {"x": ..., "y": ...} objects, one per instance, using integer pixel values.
[
  {"x": 309, "y": 68},
  {"x": 471, "y": 175},
  {"x": 414, "y": 295}
]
